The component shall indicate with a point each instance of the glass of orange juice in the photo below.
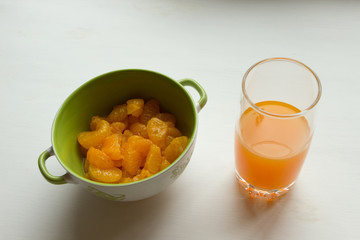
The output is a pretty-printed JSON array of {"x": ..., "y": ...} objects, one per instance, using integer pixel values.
[{"x": 275, "y": 126}]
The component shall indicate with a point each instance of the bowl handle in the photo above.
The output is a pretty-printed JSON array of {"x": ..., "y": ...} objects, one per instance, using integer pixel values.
[
  {"x": 203, "y": 96},
  {"x": 50, "y": 178}
]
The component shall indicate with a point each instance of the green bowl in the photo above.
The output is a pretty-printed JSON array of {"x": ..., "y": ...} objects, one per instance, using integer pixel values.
[{"x": 97, "y": 97}]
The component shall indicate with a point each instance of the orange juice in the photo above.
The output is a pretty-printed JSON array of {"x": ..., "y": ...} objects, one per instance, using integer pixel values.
[{"x": 270, "y": 151}]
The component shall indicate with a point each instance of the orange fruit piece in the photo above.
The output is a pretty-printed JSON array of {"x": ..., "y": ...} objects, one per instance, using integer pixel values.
[
  {"x": 139, "y": 129},
  {"x": 174, "y": 132},
  {"x": 175, "y": 148},
  {"x": 132, "y": 160},
  {"x": 111, "y": 147},
  {"x": 95, "y": 120},
  {"x": 157, "y": 131},
  {"x": 153, "y": 159},
  {"x": 118, "y": 163},
  {"x": 118, "y": 114},
  {"x": 132, "y": 120},
  {"x": 126, "y": 135},
  {"x": 135, "y": 152},
  {"x": 82, "y": 150},
  {"x": 142, "y": 175},
  {"x": 99, "y": 159},
  {"x": 166, "y": 117},
  {"x": 142, "y": 145},
  {"x": 151, "y": 109},
  {"x": 135, "y": 107},
  {"x": 117, "y": 127},
  {"x": 126, "y": 180},
  {"x": 86, "y": 175},
  {"x": 111, "y": 175},
  {"x": 168, "y": 141},
  {"x": 164, "y": 163},
  {"x": 86, "y": 165},
  {"x": 95, "y": 138}
]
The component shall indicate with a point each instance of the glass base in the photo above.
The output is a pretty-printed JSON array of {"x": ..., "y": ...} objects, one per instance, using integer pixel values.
[{"x": 262, "y": 193}]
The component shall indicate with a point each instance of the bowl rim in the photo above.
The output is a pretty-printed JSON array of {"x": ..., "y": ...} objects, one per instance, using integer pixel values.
[{"x": 112, "y": 185}]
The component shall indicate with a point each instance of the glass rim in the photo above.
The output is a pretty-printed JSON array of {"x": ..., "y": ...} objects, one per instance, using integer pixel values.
[{"x": 293, "y": 115}]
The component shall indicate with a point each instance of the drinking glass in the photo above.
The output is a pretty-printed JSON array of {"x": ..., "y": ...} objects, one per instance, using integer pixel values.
[{"x": 275, "y": 126}]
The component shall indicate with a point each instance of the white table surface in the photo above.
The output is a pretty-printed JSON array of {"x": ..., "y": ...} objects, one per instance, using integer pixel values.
[{"x": 49, "y": 48}]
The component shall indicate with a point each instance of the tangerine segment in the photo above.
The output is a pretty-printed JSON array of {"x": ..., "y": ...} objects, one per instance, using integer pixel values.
[
  {"x": 164, "y": 163},
  {"x": 126, "y": 180},
  {"x": 86, "y": 165},
  {"x": 118, "y": 163},
  {"x": 135, "y": 152},
  {"x": 174, "y": 132},
  {"x": 110, "y": 175},
  {"x": 118, "y": 114},
  {"x": 166, "y": 117},
  {"x": 170, "y": 124},
  {"x": 151, "y": 109},
  {"x": 132, "y": 160},
  {"x": 153, "y": 159},
  {"x": 99, "y": 159},
  {"x": 142, "y": 175},
  {"x": 95, "y": 138},
  {"x": 168, "y": 141},
  {"x": 132, "y": 120},
  {"x": 126, "y": 135},
  {"x": 175, "y": 148},
  {"x": 111, "y": 147},
  {"x": 95, "y": 120},
  {"x": 139, "y": 129},
  {"x": 117, "y": 127},
  {"x": 157, "y": 131},
  {"x": 135, "y": 107},
  {"x": 142, "y": 145}
]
